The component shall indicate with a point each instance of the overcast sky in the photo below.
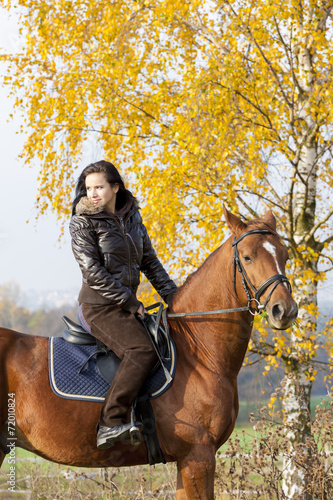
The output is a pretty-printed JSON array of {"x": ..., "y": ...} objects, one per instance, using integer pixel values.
[{"x": 29, "y": 252}]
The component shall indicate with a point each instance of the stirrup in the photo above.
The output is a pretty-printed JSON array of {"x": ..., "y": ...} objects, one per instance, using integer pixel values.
[
  {"x": 134, "y": 432},
  {"x": 135, "y": 435}
]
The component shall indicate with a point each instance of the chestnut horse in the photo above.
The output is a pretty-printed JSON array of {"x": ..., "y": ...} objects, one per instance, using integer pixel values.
[{"x": 197, "y": 414}]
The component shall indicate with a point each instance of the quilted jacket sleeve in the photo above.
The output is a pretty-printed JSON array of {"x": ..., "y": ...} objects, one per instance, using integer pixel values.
[
  {"x": 94, "y": 273},
  {"x": 154, "y": 270}
]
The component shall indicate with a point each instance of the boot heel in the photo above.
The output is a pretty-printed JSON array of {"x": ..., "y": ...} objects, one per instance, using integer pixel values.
[{"x": 135, "y": 435}]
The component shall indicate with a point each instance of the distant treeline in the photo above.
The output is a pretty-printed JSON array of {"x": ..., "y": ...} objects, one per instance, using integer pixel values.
[{"x": 44, "y": 321}]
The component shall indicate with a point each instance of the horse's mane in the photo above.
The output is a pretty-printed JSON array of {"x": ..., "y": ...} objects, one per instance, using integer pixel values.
[{"x": 192, "y": 275}]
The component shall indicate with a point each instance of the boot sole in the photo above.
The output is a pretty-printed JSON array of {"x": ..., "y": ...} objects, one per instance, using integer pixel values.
[
  {"x": 104, "y": 444},
  {"x": 134, "y": 437},
  {"x": 108, "y": 442}
]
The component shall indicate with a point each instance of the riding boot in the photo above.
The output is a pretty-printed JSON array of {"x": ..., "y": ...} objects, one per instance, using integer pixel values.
[{"x": 125, "y": 387}]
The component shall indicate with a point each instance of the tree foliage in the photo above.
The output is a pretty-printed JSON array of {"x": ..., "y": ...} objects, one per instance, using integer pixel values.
[{"x": 199, "y": 103}]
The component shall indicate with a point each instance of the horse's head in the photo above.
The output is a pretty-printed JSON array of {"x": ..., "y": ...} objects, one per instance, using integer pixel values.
[{"x": 260, "y": 259}]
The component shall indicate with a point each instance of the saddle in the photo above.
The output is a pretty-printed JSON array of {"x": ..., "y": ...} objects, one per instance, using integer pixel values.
[
  {"x": 107, "y": 361},
  {"x": 107, "y": 364}
]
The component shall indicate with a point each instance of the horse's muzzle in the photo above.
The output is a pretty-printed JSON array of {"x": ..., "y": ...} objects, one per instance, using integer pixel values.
[{"x": 282, "y": 314}]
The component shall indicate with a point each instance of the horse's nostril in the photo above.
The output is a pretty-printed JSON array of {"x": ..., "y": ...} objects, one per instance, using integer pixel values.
[{"x": 277, "y": 311}]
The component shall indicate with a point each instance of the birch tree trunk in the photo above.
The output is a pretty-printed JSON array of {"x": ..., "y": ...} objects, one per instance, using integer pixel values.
[
  {"x": 297, "y": 386},
  {"x": 297, "y": 383}
]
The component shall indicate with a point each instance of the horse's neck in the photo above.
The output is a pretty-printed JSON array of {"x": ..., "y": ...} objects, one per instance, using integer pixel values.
[
  {"x": 211, "y": 286},
  {"x": 221, "y": 339}
]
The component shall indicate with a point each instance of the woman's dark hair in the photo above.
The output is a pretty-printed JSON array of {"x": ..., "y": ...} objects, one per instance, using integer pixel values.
[{"x": 112, "y": 176}]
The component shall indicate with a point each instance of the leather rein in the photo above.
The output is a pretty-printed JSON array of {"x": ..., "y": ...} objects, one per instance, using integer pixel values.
[{"x": 247, "y": 285}]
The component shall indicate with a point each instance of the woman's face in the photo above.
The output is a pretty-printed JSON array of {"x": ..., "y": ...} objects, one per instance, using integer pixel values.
[{"x": 100, "y": 192}]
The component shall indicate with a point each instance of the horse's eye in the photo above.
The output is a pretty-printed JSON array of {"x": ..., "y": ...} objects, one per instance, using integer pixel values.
[{"x": 247, "y": 258}]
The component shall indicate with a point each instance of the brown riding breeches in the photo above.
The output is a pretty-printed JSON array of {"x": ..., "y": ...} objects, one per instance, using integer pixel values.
[{"x": 122, "y": 332}]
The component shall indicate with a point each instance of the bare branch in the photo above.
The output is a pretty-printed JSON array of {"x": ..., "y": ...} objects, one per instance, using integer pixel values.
[
  {"x": 240, "y": 94},
  {"x": 143, "y": 111},
  {"x": 269, "y": 64},
  {"x": 272, "y": 190},
  {"x": 266, "y": 200},
  {"x": 317, "y": 226},
  {"x": 287, "y": 50},
  {"x": 328, "y": 240},
  {"x": 248, "y": 208}
]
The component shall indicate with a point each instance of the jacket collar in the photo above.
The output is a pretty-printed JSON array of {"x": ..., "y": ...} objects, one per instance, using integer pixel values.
[{"x": 87, "y": 207}]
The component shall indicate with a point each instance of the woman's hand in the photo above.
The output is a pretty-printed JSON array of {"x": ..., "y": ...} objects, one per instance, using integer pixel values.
[{"x": 141, "y": 311}]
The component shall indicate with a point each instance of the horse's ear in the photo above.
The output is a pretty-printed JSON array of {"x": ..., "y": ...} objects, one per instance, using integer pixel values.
[
  {"x": 235, "y": 225},
  {"x": 270, "y": 219}
]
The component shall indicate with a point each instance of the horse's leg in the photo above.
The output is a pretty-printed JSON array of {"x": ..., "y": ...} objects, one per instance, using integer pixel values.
[
  {"x": 180, "y": 494},
  {"x": 2, "y": 457},
  {"x": 195, "y": 477}
]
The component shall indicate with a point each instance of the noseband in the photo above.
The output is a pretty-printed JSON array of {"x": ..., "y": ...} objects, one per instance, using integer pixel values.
[{"x": 274, "y": 280}]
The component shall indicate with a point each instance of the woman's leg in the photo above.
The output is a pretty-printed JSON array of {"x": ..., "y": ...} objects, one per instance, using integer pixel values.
[
  {"x": 128, "y": 339},
  {"x": 132, "y": 372}
]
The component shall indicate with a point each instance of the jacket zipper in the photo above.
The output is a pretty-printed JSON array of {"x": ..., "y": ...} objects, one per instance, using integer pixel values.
[{"x": 123, "y": 228}]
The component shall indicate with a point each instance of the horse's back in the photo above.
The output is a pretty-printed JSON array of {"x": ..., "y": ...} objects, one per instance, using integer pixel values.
[
  {"x": 13, "y": 339},
  {"x": 21, "y": 351},
  {"x": 8, "y": 333}
]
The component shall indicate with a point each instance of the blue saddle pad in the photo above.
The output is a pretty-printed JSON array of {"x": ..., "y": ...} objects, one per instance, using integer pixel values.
[{"x": 66, "y": 359}]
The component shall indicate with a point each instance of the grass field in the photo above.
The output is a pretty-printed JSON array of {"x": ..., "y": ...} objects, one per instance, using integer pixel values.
[{"x": 38, "y": 479}]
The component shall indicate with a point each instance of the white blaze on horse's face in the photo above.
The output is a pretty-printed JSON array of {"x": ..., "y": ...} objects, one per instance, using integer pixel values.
[{"x": 272, "y": 250}]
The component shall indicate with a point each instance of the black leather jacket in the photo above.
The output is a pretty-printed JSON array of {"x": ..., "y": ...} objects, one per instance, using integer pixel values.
[{"x": 111, "y": 251}]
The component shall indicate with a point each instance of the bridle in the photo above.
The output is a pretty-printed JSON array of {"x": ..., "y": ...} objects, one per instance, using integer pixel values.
[
  {"x": 274, "y": 280},
  {"x": 237, "y": 265}
]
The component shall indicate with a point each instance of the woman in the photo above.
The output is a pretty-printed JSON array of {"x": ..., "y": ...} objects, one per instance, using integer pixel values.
[{"x": 112, "y": 246}]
